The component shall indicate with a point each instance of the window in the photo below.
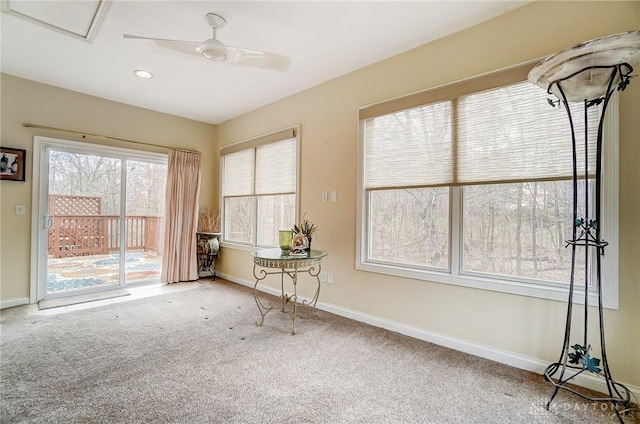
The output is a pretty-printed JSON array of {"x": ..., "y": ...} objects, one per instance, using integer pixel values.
[
  {"x": 259, "y": 188},
  {"x": 471, "y": 184}
]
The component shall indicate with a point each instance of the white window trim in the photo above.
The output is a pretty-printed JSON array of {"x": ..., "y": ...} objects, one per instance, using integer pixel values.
[
  {"x": 247, "y": 247},
  {"x": 610, "y": 233}
]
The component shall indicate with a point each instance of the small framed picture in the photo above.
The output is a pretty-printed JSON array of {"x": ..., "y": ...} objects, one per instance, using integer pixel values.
[{"x": 12, "y": 164}]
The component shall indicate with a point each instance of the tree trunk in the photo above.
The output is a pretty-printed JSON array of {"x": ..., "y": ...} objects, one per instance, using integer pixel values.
[
  {"x": 519, "y": 230},
  {"x": 534, "y": 225},
  {"x": 557, "y": 218}
]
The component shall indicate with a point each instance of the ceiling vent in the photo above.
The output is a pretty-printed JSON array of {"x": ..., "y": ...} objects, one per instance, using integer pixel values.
[{"x": 78, "y": 19}]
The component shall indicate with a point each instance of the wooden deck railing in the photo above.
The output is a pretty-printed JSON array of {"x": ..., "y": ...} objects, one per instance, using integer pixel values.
[{"x": 80, "y": 235}]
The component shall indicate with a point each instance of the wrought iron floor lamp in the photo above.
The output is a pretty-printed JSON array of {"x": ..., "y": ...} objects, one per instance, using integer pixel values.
[{"x": 588, "y": 73}]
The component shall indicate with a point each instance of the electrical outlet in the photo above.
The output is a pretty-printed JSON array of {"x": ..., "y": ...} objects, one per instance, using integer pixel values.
[
  {"x": 323, "y": 277},
  {"x": 330, "y": 277},
  {"x": 324, "y": 196}
]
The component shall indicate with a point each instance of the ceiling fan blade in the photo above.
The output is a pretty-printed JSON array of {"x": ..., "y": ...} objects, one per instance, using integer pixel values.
[
  {"x": 257, "y": 59},
  {"x": 140, "y": 37},
  {"x": 187, "y": 47}
]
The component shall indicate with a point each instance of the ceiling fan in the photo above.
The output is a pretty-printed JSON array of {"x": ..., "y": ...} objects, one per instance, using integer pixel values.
[{"x": 214, "y": 50}]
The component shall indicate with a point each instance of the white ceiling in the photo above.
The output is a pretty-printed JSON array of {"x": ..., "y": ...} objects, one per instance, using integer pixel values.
[{"x": 323, "y": 39}]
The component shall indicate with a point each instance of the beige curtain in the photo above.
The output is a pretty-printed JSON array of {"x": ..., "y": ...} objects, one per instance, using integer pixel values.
[{"x": 179, "y": 261}]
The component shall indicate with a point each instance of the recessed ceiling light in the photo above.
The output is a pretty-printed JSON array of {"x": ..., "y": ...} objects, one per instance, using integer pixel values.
[{"x": 143, "y": 74}]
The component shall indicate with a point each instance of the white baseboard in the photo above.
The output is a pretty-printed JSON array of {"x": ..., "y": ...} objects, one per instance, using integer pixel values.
[
  {"x": 14, "y": 302},
  {"x": 504, "y": 357}
]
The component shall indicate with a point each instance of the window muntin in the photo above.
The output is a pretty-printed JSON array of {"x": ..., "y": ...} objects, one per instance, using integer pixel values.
[
  {"x": 536, "y": 149},
  {"x": 259, "y": 186}
]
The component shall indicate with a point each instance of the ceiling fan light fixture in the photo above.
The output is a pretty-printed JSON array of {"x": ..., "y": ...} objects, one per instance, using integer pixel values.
[
  {"x": 213, "y": 50},
  {"x": 141, "y": 73},
  {"x": 213, "y": 54}
]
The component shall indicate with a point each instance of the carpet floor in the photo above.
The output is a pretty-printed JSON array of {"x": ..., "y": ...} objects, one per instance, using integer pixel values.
[{"x": 197, "y": 356}]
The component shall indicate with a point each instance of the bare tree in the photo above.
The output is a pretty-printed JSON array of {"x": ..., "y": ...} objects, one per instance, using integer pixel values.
[{"x": 519, "y": 230}]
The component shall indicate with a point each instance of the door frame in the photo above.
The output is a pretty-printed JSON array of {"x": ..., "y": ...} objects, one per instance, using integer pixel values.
[{"x": 39, "y": 201}]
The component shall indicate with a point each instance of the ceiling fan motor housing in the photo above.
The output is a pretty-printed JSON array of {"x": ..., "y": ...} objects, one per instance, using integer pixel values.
[{"x": 213, "y": 49}]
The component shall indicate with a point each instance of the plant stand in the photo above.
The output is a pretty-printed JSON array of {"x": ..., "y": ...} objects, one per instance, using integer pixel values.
[
  {"x": 208, "y": 250},
  {"x": 588, "y": 73}
]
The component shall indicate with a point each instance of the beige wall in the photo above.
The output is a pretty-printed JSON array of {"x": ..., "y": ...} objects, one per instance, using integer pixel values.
[
  {"x": 525, "y": 326},
  {"x": 28, "y": 101}
]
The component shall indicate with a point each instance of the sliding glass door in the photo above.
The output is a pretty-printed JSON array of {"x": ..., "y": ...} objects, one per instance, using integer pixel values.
[
  {"x": 100, "y": 217},
  {"x": 145, "y": 186}
]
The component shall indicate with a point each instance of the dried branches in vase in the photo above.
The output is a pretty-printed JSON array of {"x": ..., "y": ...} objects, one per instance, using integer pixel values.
[
  {"x": 208, "y": 221},
  {"x": 304, "y": 232},
  {"x": 306, "y": 227}
]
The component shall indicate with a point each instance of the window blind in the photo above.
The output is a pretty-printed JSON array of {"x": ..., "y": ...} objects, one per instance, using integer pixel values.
[
  {"x": 276, "y": 167},
  {"x": 410, "y": 148},
  {"x": 258, "y": 141},
  {"x": 506, "y": 133},
  {"x": 261, "y": 166},
  {"x": 239, "y": 173},
  {"x": 512, "y": 134}
]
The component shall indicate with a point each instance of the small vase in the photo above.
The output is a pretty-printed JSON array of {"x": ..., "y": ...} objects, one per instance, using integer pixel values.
[
  {"x": 300, "y": 244},
  {"x": 285, "y": 237},
  {"x": 214, "y": 245}
]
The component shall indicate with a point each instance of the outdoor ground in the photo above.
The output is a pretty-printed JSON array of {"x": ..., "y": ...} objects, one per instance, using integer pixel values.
[{"x": 67, "y": 274}]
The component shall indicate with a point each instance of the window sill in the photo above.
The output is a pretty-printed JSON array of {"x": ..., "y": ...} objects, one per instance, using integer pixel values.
[
  {"x": 244, "y": 247},
  {"x": 236, "y": 246},
  {"x": 483, "y": 283}
]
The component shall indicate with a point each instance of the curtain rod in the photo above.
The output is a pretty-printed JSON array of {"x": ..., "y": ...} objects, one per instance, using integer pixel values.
[{"x": 85, "y": 134}]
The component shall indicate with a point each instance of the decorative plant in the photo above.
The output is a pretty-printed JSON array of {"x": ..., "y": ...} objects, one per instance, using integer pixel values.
[
  {"x": 208, "y": 220},
  {"x": 582, "y": 357},
  {"x": 306, "y": 227}
]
